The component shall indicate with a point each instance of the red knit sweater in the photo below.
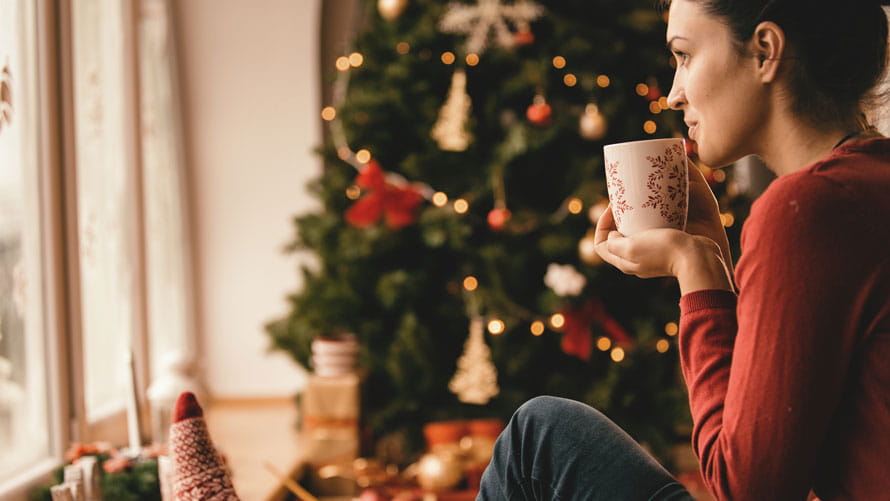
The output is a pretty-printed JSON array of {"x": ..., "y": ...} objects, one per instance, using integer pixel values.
[{"x": 789, "y": 382}]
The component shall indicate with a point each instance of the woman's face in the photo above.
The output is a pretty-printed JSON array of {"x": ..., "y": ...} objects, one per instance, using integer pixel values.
[{"x": 717, "y": 88}]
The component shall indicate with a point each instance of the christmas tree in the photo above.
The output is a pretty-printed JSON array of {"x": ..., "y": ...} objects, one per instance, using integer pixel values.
[{"x": 462, "y": 180}]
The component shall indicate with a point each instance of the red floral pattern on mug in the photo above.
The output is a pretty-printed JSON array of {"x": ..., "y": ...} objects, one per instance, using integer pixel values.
[
  {"x": 616, "y": 192},
  {"x": 668, "y": 181}
]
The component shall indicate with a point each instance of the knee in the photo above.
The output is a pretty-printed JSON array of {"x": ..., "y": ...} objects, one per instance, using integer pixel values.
[{"x": 545, "y": 409}]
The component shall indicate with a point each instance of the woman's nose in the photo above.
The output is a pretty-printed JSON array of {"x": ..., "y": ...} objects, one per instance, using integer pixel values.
[{"x": 677, "y": 97}]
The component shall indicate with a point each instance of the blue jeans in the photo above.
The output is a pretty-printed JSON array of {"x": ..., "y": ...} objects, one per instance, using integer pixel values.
[{"x": 560, "y": 449}]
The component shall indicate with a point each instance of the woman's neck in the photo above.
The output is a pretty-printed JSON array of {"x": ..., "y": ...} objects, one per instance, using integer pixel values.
[{"x": 792, "y": 144}]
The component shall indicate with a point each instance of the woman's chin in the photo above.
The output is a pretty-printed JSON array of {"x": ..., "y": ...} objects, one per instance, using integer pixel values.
[{"x": 714, "y": 160}]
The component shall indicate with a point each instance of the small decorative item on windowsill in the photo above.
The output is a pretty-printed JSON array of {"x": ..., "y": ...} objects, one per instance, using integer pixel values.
[{"x": 100, "y": 472}]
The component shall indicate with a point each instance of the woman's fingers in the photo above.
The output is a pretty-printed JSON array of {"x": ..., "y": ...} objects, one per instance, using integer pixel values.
[{"x": 605, "y": 225}]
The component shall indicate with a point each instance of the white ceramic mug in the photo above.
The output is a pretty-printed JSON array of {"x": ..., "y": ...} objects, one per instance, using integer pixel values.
[{"x": 648, "y": 184}]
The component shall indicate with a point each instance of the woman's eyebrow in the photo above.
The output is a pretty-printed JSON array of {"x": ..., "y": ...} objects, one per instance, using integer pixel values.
[{"x": 671, "y": 41}]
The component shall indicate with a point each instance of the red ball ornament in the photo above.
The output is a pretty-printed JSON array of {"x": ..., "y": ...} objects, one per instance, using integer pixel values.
[
  {"x": 524, "y": 37},
  {"x": 539, "y": 114},
  {"x": 498, "y": 218},
  {"x": 654, "y": 93}
]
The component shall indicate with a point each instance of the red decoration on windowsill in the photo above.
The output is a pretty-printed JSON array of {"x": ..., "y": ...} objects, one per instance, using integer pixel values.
[{"x": 397, "y": 205}]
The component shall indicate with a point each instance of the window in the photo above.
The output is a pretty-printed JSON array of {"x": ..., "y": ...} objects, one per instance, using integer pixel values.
[
  {"x": 24, "y": 411},
  {"x": 108, "y": 229},
  {"x": 94, "y": 240}
]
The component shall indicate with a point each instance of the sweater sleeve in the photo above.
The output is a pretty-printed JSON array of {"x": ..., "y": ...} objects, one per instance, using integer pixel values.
[{"x": 765, "y": 370}]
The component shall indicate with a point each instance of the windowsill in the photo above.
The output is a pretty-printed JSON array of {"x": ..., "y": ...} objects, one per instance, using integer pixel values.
[
  {"x": 19, "y": 488},
  {"x": 250, "y": 433}
]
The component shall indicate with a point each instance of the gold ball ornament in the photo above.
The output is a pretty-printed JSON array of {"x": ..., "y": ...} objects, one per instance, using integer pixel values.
[
  {"x": 587, "y": 250},
  {"x": 592, "y": 124},
  {"x": 391, "y": 9},
  {"x": 439, "y": 471},
  {"x": 596, "y": 210}
]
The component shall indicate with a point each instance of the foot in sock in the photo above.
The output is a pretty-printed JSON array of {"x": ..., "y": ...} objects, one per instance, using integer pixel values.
[{"x": 199, "y": 473}]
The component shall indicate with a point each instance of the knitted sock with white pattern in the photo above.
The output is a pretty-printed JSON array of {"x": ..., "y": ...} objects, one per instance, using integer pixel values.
[{"x": 198, "y": 470}]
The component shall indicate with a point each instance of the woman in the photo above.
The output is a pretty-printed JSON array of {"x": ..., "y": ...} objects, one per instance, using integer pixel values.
[{"x": 788, "y": 378}]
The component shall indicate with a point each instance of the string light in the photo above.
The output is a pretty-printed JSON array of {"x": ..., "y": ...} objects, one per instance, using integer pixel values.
[
  {"x": 575, "y": 205},
  {"x": 671, "y": 328},
  {"x": 328, "y": 113},
  {"x": 353, "y": 192},
  {"x": 496, "y": 326},
  {"x": 603, "y": 81},
  {"x": 663, "y": 103},
  {"x": 448, "y": 57},
  {"x": 559, "y": 62},
  {"x": 440, "y": 199},
  {"x": 617, "y": 354},
  {"x": 363, "y": 156},
  {"x": 472, "y": 59},
  {"x": 537, "y": 328},
  {"x": 650, "y": 127},
  {"x": 470, "y": 283},
  {"x": 727, "y": 219},
  {"x": 603, "y": 343},
  {"x": 356, "y": 59},
  {"x": 557, "y": 320},
  {"x": 403, "y": 48},
  {"x": 642, "y": 89},
  {"x": 654, "y": 107},
  {"x": 342, "y": 63},
  {"x": 662, "y": 346},
  {"x": 461, "y": 206},
  {"x": 570, "y": 80},
  {"x": 719, "y": 176}
]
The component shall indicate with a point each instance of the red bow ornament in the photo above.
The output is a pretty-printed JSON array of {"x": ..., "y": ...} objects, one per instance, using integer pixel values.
[
  {"x": 396, "y": 204},
  {"x": 577, "y": 338}
]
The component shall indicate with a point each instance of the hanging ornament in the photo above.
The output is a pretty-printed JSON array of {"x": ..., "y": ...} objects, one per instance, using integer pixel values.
[
  {"x": 498, "y": 217},
  {"x": 450, "y": 129},
  {"x": 564, "y": 279},
  {"x": 587, "y": 249},
  {"x": 577, "y": 336},
  {"x": 524, "y": 35},
  {"x": 539, "y": 113},
  {"x": 475, "y": 381},
  {"x": 654, "y": 91},
  {"x": 391, "y": 9},
  {"x": 396, "y": 204},
  {"x": 487, "y": 16},
  {"x": 592, "y": 125},
  {"x": 596, "y": 210}
]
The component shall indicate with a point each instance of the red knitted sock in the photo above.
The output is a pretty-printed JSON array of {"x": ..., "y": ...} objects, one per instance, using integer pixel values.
[{"x": 198, "y": 471}]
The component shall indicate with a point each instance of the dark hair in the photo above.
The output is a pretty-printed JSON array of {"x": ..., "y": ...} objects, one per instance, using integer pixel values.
[{"x": 838, "y": 51}]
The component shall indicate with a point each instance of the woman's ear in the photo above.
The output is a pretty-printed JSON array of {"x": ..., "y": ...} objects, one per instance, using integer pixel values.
[{"x": 768, "y": 47}]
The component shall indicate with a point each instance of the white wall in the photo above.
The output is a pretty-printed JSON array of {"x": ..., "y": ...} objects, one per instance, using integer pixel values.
[{"x": 249, "y": 72}]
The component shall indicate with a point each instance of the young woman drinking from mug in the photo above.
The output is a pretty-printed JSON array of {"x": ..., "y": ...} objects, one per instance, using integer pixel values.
[{"x": 786, "y": 357}]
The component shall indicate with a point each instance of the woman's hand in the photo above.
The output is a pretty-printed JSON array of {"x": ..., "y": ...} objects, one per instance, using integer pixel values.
[
  {"x": 648, "y": 254},
  {"x": 698, "y": 257},
  {"x": 703, "y": 217},
  {"x": 695, "y": 260}
]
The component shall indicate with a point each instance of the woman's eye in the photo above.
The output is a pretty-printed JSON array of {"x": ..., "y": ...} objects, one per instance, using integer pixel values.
[{"x": 681, "y": 56}]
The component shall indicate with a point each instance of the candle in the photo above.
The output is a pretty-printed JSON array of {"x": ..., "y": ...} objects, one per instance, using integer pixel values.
[{"x": 133, "y": 426}]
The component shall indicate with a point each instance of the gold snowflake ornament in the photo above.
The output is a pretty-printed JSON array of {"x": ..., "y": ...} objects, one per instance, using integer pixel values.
[{"x": 488, "y": 17}]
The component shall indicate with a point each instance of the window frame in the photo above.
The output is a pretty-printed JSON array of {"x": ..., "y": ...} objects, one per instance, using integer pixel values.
[{"x": 52, "y": 262}]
